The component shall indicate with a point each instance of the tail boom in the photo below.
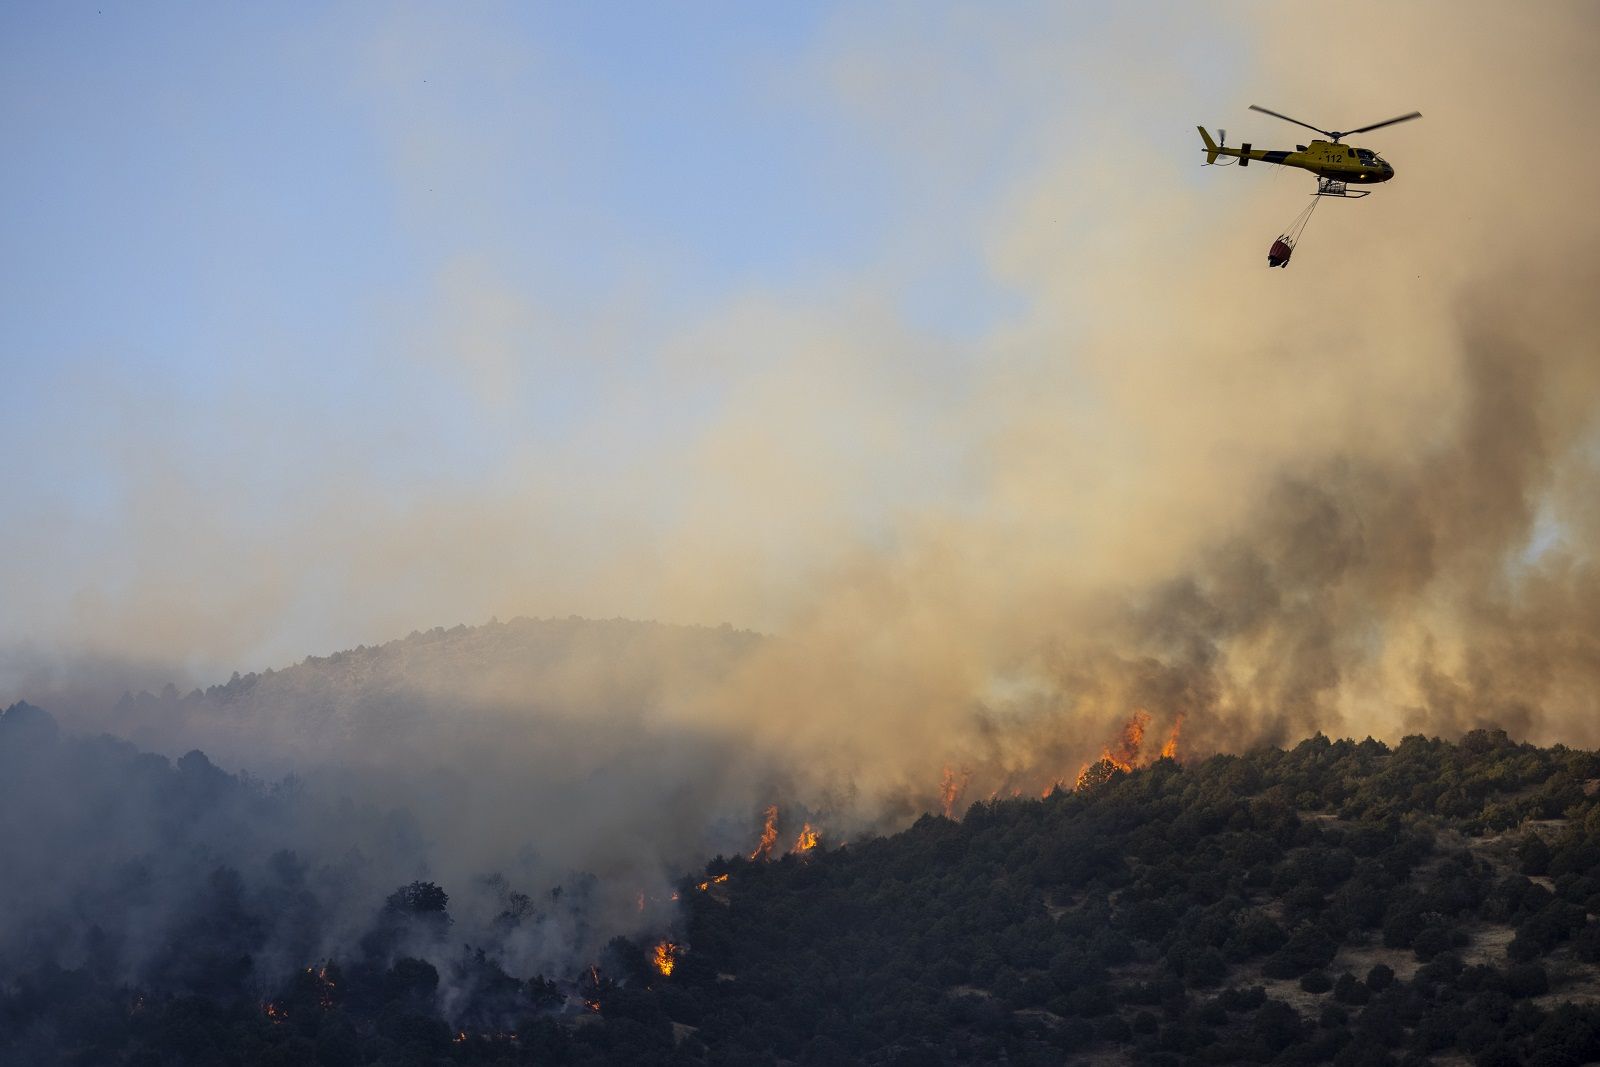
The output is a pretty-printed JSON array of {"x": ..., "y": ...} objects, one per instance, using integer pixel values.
[{"x": 1246, "y": 152}]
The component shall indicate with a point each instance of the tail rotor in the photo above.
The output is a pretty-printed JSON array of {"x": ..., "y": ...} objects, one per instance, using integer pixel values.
[{"x": 1214, "y": 148}]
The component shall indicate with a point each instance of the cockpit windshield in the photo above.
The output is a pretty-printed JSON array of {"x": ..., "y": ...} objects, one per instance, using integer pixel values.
[{"x": 1369, "y": 158}]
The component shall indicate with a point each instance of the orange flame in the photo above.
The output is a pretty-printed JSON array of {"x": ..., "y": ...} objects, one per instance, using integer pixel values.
[
  {"x": 806, "y": 841},
  {"x": 325, "y": 986},
  {"x": 709, "y": 882},
  {"x": 1131, "y": 741},
  {"x": 1170, "y": 749},
  {"x": 1122, "y": 757},
  {"x": 769, "y": 835},
  {"x": 275, "y": 1012},
  {"x": 951, "y": 787},
  {"x": 665, "y": 957}
]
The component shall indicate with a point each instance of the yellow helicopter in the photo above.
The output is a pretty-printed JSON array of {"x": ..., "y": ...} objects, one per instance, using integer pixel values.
[{"x": 1336, "y": 165}]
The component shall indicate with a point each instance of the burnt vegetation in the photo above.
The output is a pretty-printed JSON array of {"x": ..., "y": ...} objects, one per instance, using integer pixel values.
[{"x": 1339, "y": 902}]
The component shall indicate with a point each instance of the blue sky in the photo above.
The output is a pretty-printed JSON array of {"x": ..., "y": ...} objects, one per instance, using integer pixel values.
[{"x": 213, "y": 199}]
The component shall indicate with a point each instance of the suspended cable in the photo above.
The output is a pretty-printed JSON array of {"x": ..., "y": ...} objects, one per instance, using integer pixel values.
[{"x": 1284, "y": 246}]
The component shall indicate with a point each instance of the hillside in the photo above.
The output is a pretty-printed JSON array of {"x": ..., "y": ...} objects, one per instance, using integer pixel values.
[
  {"x": 375, "y": 704},
  {"x": 1337, "y": 902}
]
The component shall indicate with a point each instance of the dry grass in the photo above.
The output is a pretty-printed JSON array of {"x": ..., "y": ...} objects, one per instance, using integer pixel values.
[
  {"x": 1489, "y": 941},
  {"x": 1288, "y": 990},
  {"x": 1571, "y": 980},
  {"x": 1359, "y": 959}
]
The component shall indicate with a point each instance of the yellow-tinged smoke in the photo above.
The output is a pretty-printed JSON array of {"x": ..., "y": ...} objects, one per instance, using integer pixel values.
[{"x": 1357, "y": 495}]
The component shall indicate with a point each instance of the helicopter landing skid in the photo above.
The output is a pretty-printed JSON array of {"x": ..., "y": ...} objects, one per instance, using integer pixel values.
[{"x": 1329, "y": 187}]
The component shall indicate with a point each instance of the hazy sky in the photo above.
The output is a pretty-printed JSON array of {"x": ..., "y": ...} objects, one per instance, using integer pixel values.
[
  {"x": 263, "y": 263},
  {"x": 319, "y": 324}
]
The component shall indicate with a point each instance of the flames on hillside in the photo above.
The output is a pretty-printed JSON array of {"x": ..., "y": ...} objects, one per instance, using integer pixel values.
[
  {"x": 769, "y": 835},
  {"x": 326, "y": 984},
  {"x": 1170, "y": 749},
  {"x": 809, "y": 838},
  {"x": 951, "y": 785},
  {"x": 1127, "y": 751},
  {"x": 1132, "y": 747},
  {"x": 322, "y": 978},
  {"x": 664, "y": 957}
]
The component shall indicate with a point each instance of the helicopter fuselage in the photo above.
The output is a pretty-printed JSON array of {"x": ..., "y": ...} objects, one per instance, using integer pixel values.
[{"x": 1326, "y": 159}]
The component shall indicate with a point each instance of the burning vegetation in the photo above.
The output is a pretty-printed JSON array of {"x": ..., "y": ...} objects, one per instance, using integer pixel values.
[
  {"x": 769, "y": 835},
  {"x": 590, "y": 989},
  {"x": 1127, "y": 751},
  {"x": 951, "y": 786},
  {"x": 664, "y": 957},
  {"x": 1170, "y": 749},
  {"x": 325, "y": 979},
  {"x": 807, "y": 840}
]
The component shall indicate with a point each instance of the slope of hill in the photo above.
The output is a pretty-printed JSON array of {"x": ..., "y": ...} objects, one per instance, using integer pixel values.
[
  {"x": 391, "y": 701},
  {"x": 1339, "y": 902}
]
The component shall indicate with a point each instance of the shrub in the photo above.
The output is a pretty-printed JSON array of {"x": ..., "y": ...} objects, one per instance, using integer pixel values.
[
  {"x": 1526, "y": 980},
  {"x": 1316, "y": 982}
]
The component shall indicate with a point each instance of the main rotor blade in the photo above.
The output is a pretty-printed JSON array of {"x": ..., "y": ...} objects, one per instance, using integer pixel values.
[
  {"x": 1297, "y": 122},
  {"x": 1386, "y": 122}
]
